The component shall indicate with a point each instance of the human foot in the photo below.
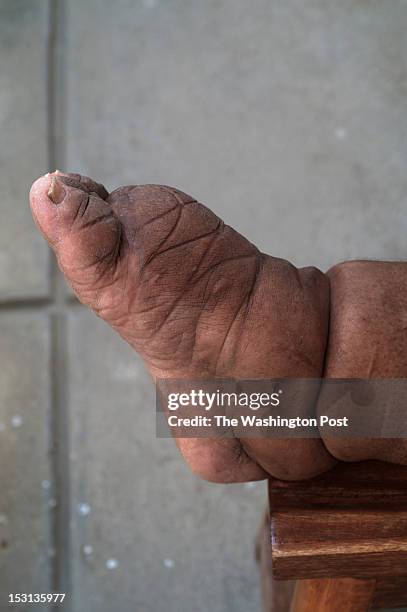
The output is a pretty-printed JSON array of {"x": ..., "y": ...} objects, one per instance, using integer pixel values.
[
  {"x": 368, "y": 341},
  {"x": 195, "y": 299}
]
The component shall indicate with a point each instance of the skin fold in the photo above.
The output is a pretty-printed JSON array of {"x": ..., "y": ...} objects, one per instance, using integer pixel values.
[
  {"x": 368, "y": 340},
  {"x": 196, "y": 299}
]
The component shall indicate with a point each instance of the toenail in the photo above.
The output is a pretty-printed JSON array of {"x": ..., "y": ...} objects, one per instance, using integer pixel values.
[{"x": 56, "y": 192}]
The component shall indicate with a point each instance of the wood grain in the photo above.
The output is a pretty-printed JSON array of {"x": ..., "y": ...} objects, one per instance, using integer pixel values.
[
  {"x": 276, "y": 594},
  {"x": 327, "y": 595},
  {"x": 369, "y": 484},
  {"x": 391, "y": 592},
  {"x": 350, "y": 522}
]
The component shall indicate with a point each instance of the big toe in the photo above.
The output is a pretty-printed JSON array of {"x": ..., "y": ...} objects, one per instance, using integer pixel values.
[{"x": 72, "y": 213}]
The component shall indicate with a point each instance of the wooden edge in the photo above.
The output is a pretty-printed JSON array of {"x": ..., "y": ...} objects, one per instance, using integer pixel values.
[
  {"x": 351, "y": 521},
  {"x": 328, "y": 595}
]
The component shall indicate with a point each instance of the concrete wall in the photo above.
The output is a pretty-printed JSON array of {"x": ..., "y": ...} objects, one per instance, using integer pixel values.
[{"x": 289, "y": 119}]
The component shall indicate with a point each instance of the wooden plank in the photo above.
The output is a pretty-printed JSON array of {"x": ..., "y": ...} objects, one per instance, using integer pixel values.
[
  {"x": 302, "y": 564},
  {"x": 339, "y": 526},
  {"x": 390, "y": 592},
  {"x": 351, "y": 521},
  {"x": 276, "y": 594},
  {"x": 343, "y": 595},
  {"x": 347, "y": 485}
]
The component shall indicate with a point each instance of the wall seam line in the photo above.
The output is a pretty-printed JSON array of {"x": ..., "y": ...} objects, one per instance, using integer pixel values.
[{"x": 61, "y": 574}]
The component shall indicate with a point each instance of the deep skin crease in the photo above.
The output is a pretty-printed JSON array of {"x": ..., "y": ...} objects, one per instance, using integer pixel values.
[{"x": 196, "y": 299}]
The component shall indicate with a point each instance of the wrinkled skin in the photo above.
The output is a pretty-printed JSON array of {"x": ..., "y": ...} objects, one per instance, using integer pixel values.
[
  {"x": 368, "y": 340},
  {"x": 162, "y": 270}
]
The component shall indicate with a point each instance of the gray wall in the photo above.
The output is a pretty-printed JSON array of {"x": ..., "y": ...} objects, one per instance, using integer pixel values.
[{"x": 289, "y": 119}]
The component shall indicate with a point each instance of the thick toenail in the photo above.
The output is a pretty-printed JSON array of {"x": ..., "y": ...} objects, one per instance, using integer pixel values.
[{"x": 56, "y": 192}]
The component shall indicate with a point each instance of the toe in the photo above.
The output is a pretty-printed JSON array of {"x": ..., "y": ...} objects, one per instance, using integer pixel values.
[
  {"x": 43, "y": 208},
  {"x": 82, "y": 182},
  {"x": 56, "y": 200},
  {"x": 79, "y": 224}
]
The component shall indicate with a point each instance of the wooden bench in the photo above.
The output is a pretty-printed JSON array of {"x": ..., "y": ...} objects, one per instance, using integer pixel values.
[{"x": 337, "y": 542}]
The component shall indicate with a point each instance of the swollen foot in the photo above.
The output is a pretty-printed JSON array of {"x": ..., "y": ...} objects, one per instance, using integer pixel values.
[{"x": 195, "y": 299}]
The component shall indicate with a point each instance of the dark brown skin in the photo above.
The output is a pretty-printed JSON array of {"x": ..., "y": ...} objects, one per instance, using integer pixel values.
[
  {"x": 368, "y": 340},
  {"x": 196, "y": 299}
]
